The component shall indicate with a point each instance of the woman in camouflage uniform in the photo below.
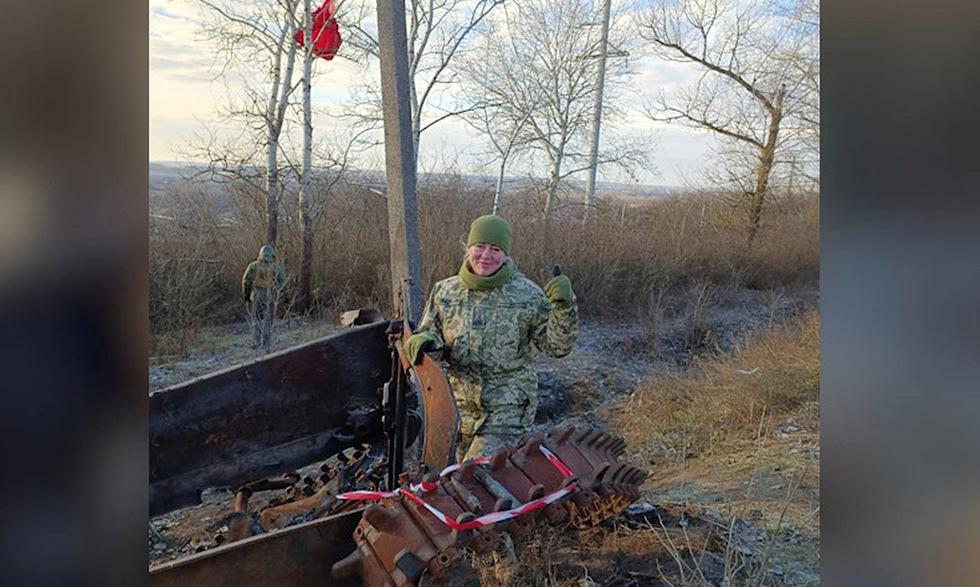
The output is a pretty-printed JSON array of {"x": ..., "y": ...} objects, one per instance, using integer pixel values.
[{"x": 483, "y": 322}]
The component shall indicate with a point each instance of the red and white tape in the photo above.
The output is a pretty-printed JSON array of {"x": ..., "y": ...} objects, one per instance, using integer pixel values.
[{"x": 484, "y": 520}]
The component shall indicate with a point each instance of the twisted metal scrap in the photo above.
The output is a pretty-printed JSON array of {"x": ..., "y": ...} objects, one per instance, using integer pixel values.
[{"x": 399, "y": 540}]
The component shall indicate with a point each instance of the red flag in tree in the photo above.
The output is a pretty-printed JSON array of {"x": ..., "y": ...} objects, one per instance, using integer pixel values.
[{"x": 326, "y": 33}]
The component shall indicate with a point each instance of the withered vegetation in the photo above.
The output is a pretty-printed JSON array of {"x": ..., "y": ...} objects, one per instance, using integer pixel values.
[{"x": 631, "y": 256}]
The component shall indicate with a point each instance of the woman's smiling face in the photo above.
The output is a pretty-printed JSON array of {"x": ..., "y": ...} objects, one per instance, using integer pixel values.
[{"x": 485, "y": 259}]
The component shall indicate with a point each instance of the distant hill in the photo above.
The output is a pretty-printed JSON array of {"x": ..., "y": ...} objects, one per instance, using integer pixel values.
[{"x": 166, "y": 173}]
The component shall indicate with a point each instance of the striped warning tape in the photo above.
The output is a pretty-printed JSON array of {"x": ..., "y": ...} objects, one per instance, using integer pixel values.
[{"x": 484, "y": 520}]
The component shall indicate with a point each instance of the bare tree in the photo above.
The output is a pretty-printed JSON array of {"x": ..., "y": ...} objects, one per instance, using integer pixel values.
[
  {"x": 312, "y": 182},
  {"x": 597, "y": 109},
  {"x": 489, "y": 123},
  {"x": 315, "y": 181},
  {"x": 757, "y": 88},
  {"x": 503, "y": 107},
  {"x": 263, "y": 32},
  {"x": 324, "y": 162},
  {"x": 438, "y": 31},
  {"x": 536, "y": 71},
  {"x": 802, "y": 136},
  {"x": 306, "y": 174},
  {"x": 255, "y": 38}
]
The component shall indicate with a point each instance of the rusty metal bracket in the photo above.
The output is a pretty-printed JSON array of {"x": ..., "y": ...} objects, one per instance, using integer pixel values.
[{"x": 440, "y": 415}]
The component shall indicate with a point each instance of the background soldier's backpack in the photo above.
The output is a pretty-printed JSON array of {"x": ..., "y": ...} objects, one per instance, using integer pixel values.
[{"x": 263, "y": 277}]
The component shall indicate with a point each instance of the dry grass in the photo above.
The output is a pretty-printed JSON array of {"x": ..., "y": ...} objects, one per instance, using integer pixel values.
[
  {"x": 193, "y": 279},
  {"x": 739, "y": 433},
  {"x": 624, "y": 554},
  {"x": 729, "y": 400},
  {"x": 570, "y": 557},
  {"x": 744, "y": 445},
  {"x": 623, "y": 262}
]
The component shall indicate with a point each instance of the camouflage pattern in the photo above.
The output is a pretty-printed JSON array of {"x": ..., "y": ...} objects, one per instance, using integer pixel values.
[
  {"x": 470, "y": 447},
  {"x": 263, "y": 297},
  {"x": 487, "y": 337}
]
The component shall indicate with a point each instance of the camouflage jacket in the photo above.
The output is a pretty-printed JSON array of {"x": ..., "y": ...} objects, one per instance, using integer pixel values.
[
  {"x": 487, "y": 339},
  {"x": 259, "y": 277}
]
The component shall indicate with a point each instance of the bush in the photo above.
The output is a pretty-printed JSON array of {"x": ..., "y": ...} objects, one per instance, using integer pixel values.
[
  {"x": 622, "y": 262},
  {"x": 193, "y": 280}
]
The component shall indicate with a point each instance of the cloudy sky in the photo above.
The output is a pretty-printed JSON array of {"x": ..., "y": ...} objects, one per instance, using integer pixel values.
[{"x": 187, "y": 87}]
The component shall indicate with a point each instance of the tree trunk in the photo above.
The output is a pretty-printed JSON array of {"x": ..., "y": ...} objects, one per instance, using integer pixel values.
[
  {"x": 766, "y": 156},
  {"x": 416, "y": 130},
  {"x": 271, "y": 164},
  {"x": 305, "y": 214},
  {"x": 303, "y": 299},
  {"x": 500, "y": 184},
  {"x": 549, "y": 203},
  {"x": 271, "y": 202},
  {"x": 274, "y": 113}
]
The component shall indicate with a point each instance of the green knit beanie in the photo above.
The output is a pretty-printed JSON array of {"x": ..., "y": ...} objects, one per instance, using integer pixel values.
[{"x": 492, "y": 230}]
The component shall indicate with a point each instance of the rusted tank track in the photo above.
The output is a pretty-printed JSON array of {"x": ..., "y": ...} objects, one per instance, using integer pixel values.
[{"x": 399, "y": 539}]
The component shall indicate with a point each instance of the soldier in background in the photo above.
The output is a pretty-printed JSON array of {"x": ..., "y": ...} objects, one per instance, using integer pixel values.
[
  {"x": 262, "y": 282},
  {"x": 483, "y": 322}
]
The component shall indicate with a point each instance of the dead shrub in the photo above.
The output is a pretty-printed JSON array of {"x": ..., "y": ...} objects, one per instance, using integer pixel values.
[
  {"x": 787, "y": 248},
  {"x": 189, "y": 277},
  {"x": 626, "y": 262}
]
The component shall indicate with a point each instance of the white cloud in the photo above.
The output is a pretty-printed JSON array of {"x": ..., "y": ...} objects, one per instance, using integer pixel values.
[
  {"x": 183, "y": 92},
  {"x": 180, "y": 70}
]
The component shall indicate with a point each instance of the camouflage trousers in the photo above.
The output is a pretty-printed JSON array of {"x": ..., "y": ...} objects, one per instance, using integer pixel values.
[
  {"x": 491, "y": 428},
  {"x": 263, "y": 313},
  {"x": 481, "y": 445}
]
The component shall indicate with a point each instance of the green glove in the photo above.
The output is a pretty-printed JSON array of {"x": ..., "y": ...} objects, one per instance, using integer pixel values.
[
  {"x": 417, "y": 344},
  {"x": 559, "y": 290}
]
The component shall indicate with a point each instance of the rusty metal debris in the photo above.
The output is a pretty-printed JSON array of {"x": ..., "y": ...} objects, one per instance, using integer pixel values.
[
  {"x": 294, "y": 556},
  {"x": 340, "y": 396},
  {"x": 305, "y": 498},
  {"x": 267, "y": 417},
  {"x": 397, "y": 540}
]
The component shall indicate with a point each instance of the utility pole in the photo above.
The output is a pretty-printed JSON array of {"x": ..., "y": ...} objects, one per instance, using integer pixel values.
[
  {"x": 597, "y": 112},
  {"x": 403, "y": 234}
]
